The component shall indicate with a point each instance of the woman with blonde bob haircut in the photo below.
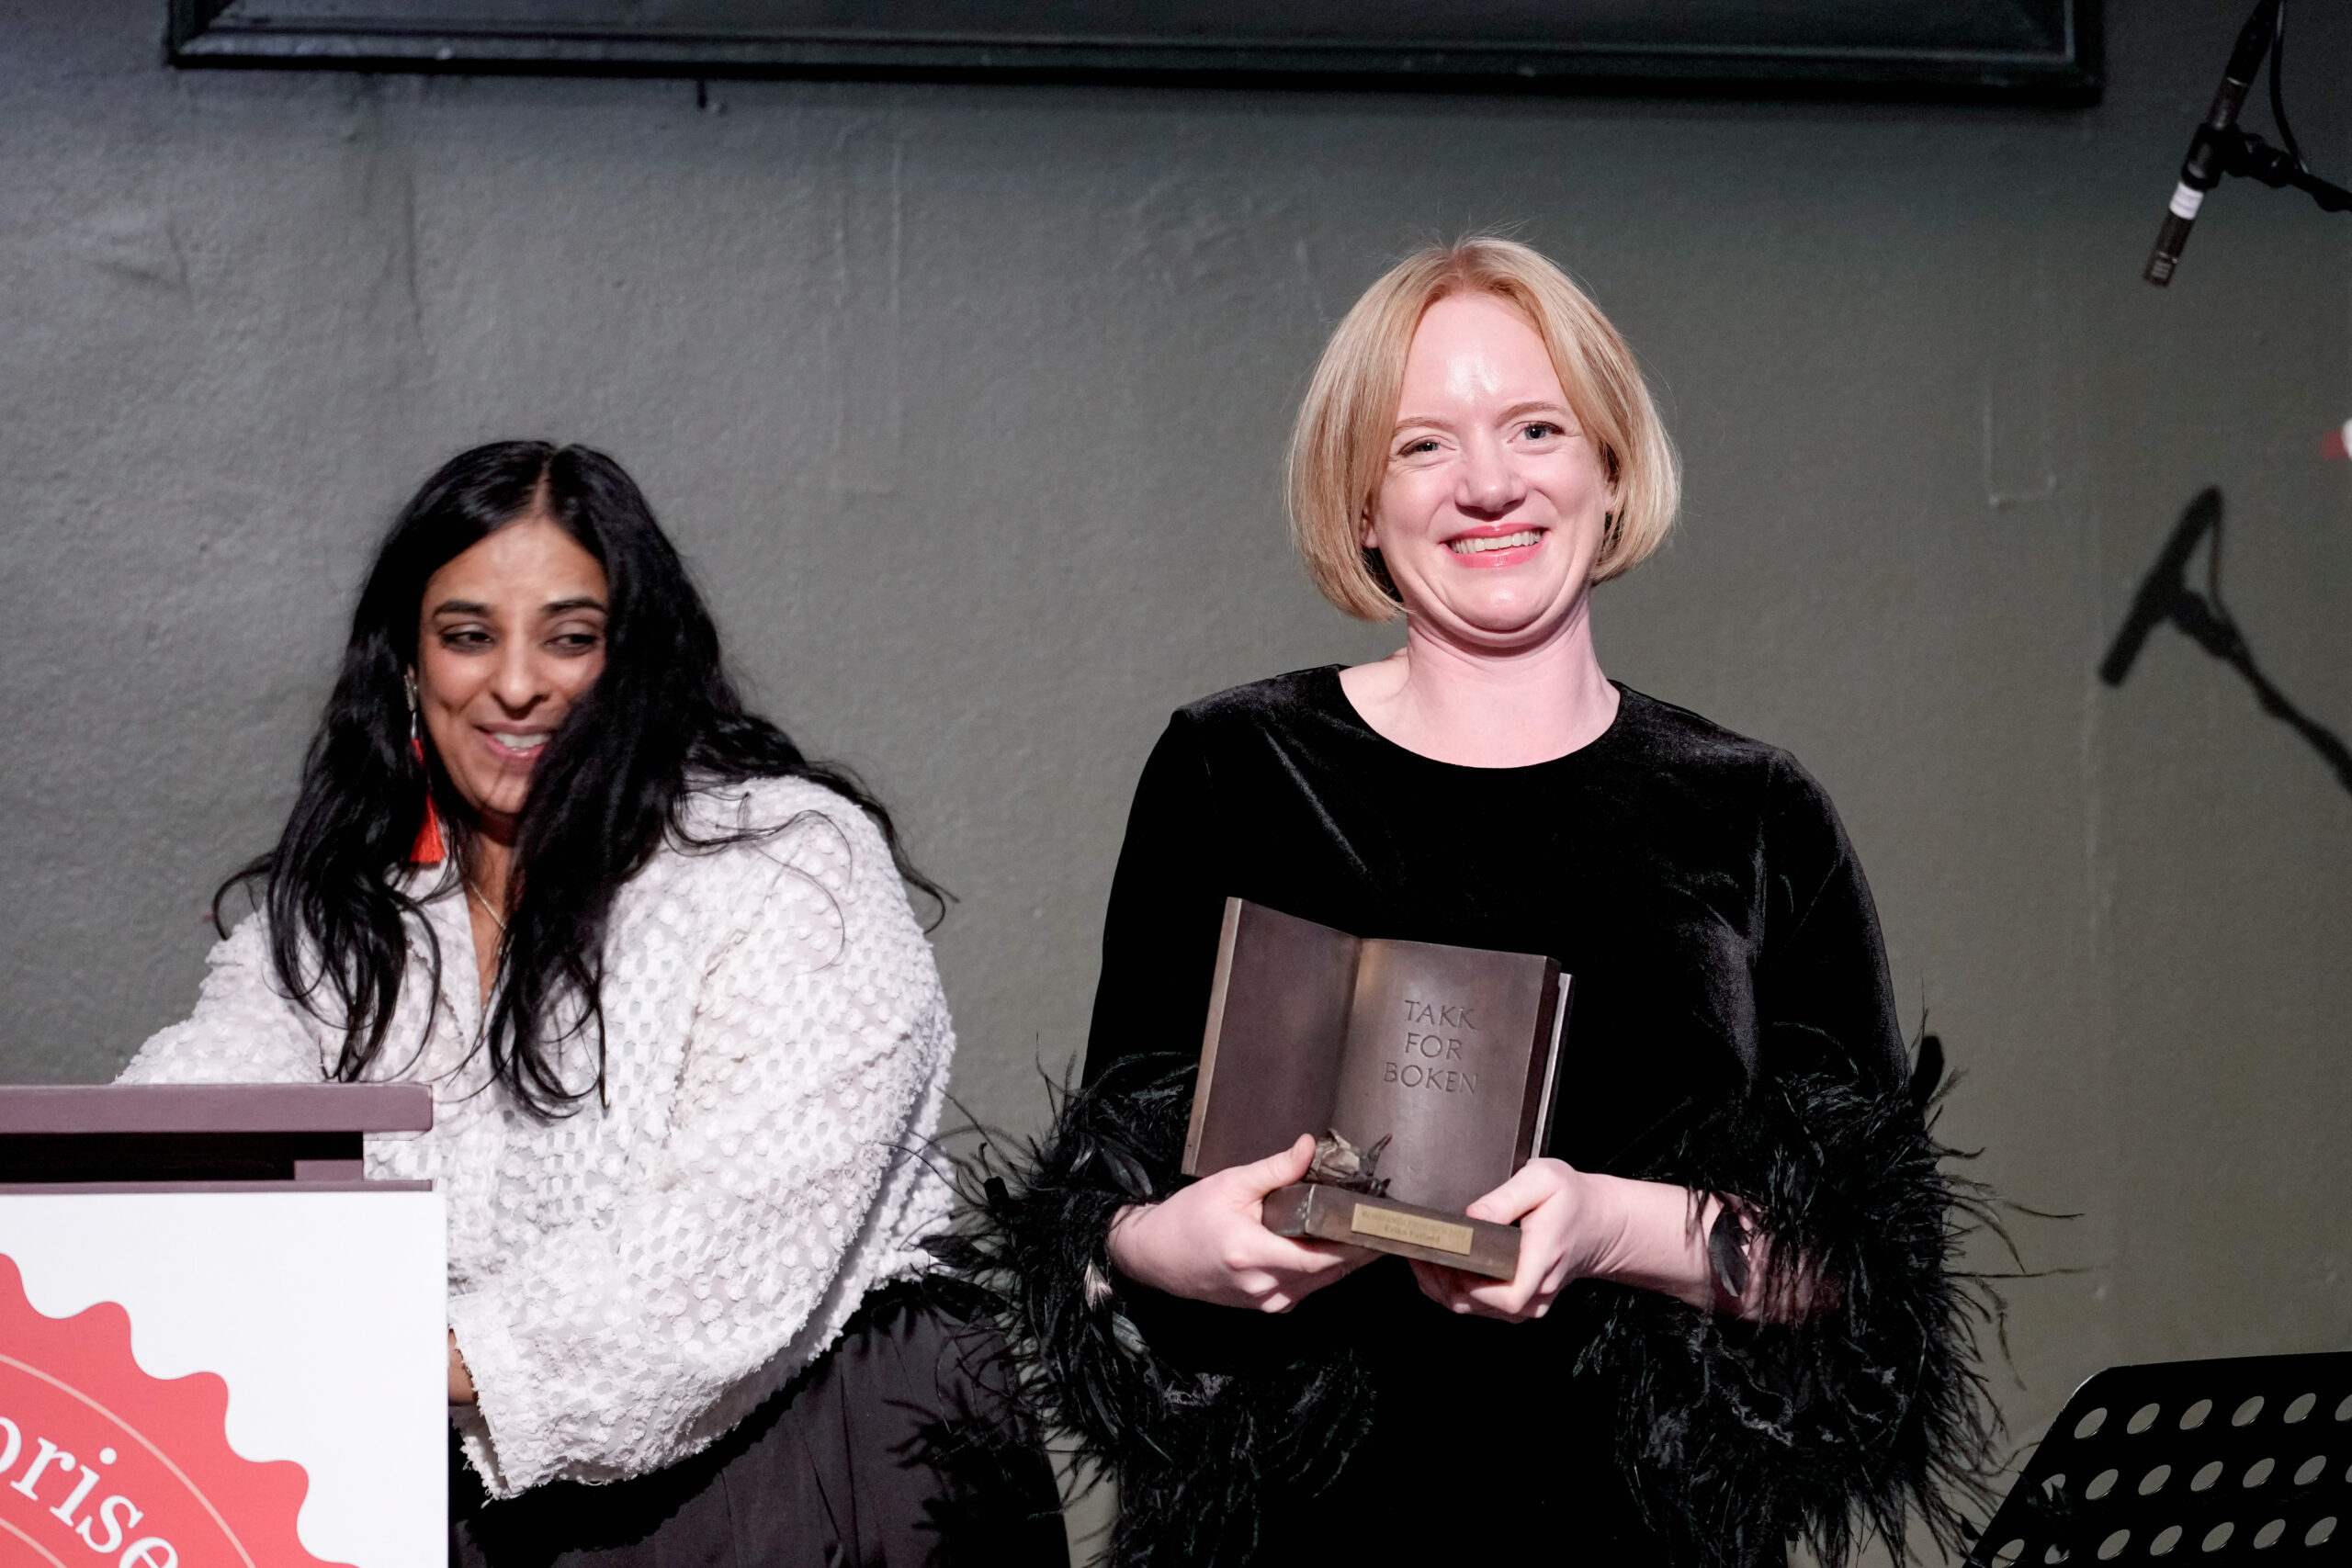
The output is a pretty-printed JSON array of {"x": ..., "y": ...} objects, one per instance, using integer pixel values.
[
  {"x": 1338, "y": 452},
  {"x": 1734, "y": 1320}
]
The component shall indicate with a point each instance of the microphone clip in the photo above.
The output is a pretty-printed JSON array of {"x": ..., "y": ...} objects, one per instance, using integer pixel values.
[{"x": 2244, "y": 153}]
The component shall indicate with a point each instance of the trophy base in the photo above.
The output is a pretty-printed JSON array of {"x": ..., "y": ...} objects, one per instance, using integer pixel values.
[{"x": 1384, "y": 1224}]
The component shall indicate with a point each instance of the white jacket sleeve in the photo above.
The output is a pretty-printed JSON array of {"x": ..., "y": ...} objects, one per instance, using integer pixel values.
[
  {"x": 244, "y": 1030},
  {"x": 813, "y": 1073}
]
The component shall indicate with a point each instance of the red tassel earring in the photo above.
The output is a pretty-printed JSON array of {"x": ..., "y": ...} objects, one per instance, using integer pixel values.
[{"x": 428, "y": 849}]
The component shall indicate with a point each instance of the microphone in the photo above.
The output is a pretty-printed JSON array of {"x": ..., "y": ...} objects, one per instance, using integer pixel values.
[
  {"x": 2201, "y": 170},
  {"x": 2164, "y": 594}
]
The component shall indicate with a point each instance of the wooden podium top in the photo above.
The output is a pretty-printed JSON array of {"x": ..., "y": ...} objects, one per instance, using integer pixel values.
[
  {"x": 216, "y": 1108},
  {"x": 106, "y": 1135}
]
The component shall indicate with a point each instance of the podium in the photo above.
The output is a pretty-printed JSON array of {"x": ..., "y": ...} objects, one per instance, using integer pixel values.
[
  {"x": 218, "y": 1342},
  {"x": 2248, "y": 1457}
]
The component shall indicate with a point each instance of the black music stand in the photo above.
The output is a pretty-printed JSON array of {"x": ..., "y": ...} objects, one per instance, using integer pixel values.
[{"x": 2222, "y": 1461}]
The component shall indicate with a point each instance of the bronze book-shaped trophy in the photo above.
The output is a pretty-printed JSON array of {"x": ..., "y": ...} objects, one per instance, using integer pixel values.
[{"x": 1424, "y": 1071}]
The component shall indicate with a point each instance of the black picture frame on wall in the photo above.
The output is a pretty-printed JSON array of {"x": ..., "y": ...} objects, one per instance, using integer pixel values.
[{"x": 2009, "y": 51}]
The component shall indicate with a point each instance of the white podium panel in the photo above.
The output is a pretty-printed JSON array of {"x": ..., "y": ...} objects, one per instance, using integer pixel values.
[{"x": 240, "y": 1379}]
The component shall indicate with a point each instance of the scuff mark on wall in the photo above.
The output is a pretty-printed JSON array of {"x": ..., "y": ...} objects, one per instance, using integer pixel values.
[
  {"x": 2019, "y": 455},
  {"x": 383, "y": 195},
  {"x": 141, "y": 243},
  {"x": 861, "y": 330},
  {"x": 1307, "y": 280}
]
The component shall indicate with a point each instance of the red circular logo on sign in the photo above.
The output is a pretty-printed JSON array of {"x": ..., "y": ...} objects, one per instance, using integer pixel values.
[{"x": 102, "y": 1464}]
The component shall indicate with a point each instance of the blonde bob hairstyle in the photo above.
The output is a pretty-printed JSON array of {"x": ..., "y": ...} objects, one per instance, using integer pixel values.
[{"x": 1339, "y": 452}]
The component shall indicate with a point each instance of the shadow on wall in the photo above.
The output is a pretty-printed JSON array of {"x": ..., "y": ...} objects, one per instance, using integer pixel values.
[{"x": 2165, "y": 597}]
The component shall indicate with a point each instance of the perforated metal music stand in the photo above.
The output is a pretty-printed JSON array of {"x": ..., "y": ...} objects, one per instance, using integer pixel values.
[{"x": 2247, "y": 1458}]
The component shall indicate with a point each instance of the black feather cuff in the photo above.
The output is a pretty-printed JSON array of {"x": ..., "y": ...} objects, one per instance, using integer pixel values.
[
  {"x": 1865, "y": 1405},
  {"x": 1196, "y": 1443},
  {"x": 1735, "y": 1437}
]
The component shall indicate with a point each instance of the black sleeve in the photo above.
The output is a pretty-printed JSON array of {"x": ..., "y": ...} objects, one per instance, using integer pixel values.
[
  {"x": 1167, "y": 899},
  {"x": 1823, "y": 1000},
  {"x": 1148, "y": 1383},
  {"x": 1869, "y": 1407}
]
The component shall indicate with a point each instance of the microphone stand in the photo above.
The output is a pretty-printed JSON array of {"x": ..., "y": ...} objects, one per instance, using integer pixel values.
[{"x": 2219, "y": 148}]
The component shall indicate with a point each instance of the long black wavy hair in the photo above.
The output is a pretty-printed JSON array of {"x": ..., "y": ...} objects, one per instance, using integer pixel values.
[{"x": 607, "y": 789}]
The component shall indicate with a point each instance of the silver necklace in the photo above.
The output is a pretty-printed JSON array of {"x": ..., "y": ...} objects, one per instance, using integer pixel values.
[{"x": 484, "y": 903}]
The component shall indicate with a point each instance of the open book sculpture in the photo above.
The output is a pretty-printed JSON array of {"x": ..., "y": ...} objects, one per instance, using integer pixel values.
[{"x": 1425, "y": 1072}]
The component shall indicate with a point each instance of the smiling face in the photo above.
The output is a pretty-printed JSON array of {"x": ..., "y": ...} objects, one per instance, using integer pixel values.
[
  {"x": 509, "y": 634},
  {"x": 1494, "y": 505}
]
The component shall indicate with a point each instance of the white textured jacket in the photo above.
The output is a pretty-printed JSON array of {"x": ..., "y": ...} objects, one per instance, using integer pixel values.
[{"x": 626, "y": 1284}]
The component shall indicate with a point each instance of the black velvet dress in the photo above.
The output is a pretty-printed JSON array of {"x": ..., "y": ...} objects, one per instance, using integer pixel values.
[{"x": 1731, "y": 1030}]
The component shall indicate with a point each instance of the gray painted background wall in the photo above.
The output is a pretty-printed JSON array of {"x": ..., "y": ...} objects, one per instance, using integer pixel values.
[{"x": 966, "y": 403}]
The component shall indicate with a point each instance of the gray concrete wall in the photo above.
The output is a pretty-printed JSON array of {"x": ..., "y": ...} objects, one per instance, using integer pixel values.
[{"x": 966, "y": 403}]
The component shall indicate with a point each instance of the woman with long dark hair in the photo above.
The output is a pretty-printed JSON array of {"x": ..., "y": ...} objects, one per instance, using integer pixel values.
[{"x": 688, "y": 1042}]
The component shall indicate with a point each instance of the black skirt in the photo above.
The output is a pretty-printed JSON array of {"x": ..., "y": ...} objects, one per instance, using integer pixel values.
[{"x": 898, "y": 1449}]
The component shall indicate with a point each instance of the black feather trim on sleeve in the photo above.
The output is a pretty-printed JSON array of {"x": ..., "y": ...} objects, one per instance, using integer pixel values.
[
  {"x": 1733, "y": 1436},
  {"x": 1126, "y": 1371},
  {"x": 1867, "y": 1407}
]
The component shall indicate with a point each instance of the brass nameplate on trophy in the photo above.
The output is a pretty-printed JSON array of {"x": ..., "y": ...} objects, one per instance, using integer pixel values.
[
  {"x": 1334, "y": 1213},
  {"x": 1439, "y": 1236},
  {"x": 1424, "y": 1073}
]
